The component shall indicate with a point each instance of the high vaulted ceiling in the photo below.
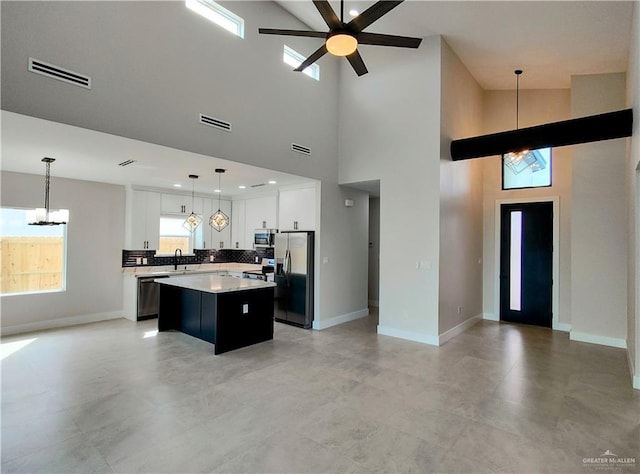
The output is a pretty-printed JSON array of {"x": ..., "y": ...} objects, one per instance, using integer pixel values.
[{"x": 549, "y": 40}]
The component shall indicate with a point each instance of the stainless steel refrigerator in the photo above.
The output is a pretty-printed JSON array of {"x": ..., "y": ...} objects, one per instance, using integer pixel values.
[{"x": 293, "y": 302}]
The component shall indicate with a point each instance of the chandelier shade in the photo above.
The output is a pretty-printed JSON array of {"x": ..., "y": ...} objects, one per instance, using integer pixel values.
[
  {"x": 219, "y": 220},
  {"x": 192, "y": 222}
]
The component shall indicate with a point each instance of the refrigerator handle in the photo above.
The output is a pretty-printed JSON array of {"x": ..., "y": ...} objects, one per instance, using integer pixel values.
[{"x": 287, "y": 264}]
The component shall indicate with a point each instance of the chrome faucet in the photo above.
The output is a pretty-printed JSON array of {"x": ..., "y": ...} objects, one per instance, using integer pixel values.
[{"x": 175, "y": 258}]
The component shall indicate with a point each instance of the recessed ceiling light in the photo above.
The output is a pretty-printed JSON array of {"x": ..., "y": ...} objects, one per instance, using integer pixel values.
[
  {"x": 272, "y": 182},
  {"x": 353, "y": 12},
  {"x": 242, "y": 186},
  {"x": 177, "y": 185},
  {"x": 217, "y": 191}
]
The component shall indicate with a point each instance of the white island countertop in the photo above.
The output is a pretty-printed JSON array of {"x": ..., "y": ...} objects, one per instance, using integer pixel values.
[{"x": 214, "y": 284}]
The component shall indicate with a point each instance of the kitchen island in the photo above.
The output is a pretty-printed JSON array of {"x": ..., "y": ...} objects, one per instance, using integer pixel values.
[{"x": 228, "y": 312}]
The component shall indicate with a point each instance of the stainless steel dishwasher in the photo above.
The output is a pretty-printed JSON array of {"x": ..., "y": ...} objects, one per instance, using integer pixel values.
[{"x": 148, "y": 297}]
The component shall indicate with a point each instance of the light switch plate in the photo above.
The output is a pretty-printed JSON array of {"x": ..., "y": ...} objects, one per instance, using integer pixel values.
[
  {"x": 245, "y": 308},
  {"x": 144, "y": 260}
]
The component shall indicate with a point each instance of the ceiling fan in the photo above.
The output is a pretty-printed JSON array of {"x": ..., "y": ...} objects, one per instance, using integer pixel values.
[{"x": 343, "y": 38}]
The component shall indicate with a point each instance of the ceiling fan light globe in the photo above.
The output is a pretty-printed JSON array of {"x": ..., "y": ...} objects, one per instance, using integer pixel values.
[{"x": 342, "y": 44}]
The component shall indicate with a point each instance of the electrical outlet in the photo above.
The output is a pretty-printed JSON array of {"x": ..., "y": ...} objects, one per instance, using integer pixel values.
[
  {"x": 144, "y": 260},
  {"x": 211, "y": 258},
  {"x": 257, "y": 260},
  {"x": 245, "y": 308},
  {"x": 138, "y": 260}
]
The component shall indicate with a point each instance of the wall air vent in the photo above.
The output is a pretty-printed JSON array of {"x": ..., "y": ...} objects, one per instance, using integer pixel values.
[
  {"x": 300, "y": 149},
  {"x": 214, "y": 122},
  {"x": 127, "y": 163},
  {"x": 56, "y": 72}
]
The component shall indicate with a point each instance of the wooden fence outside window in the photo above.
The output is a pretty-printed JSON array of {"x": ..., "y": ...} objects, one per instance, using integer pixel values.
[{"x": 31, "y": 264}]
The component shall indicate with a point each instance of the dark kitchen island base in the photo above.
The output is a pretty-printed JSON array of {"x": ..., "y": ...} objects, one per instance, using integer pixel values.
[{"x": 229, "y": 320}]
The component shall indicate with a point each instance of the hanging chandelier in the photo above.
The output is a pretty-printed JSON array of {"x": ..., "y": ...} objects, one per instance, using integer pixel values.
[
  {"x": 219, "y": 220},
  {"x": 194, "y": 220},
  {"x": 518, "y": 161},
  {"x": 44, "y": 215}
]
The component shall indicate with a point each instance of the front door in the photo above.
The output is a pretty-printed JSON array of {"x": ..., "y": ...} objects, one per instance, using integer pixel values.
[{"x": 526, "y": 263}]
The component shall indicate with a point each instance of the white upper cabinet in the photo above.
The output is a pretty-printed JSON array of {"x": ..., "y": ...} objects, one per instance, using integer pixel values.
[
  {"x": 180, "y": 204},
  {"x": 238, "y": 234},
  {"x": 145, "y": 230},
  {"x": 212, "y": 238},
  {"x": 260, "y": 213},
  {"x": 297, "y": 209}
]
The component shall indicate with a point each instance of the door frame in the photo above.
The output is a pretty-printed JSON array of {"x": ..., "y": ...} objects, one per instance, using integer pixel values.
[{"x": 555, "y": 287}]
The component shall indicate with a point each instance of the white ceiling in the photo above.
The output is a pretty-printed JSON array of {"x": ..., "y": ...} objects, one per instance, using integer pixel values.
[
  {"x": 94, "y": 156},
  {"x": 549, "y": 40}
]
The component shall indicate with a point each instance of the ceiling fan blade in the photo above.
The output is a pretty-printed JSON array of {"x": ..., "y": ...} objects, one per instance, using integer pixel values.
[
  {"x": 311, "y": 34},
  {"x": 328, "y": 15},
  {"x": 371, "y": 14},
  {"x": 357, "y": 63},
  {"x": 321, "y": 51},
  {"x": 388, "y": 40}
]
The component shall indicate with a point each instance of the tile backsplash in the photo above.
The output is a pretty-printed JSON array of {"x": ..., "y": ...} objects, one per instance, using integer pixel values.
[{"x": 130, "y": 258}]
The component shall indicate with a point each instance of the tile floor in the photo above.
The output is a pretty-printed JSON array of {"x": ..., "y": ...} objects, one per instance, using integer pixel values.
[{"x": 116, "y": 397}]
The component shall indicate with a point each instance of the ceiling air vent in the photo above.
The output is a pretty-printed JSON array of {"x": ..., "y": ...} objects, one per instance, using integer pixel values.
[
  {"x": 56, "y": 72},
  {"x": 300, "y": 149},
  {"x": 214, "y": 122},
  {"x": 127, "y": 163}
]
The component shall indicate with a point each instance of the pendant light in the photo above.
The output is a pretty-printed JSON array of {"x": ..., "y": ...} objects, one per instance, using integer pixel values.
[
  {"x": 219, "y": 220},
  {"x": 194, "y": 220},
  {"x": 45, "y": 216},
  {"x": 518, "y": 161}
]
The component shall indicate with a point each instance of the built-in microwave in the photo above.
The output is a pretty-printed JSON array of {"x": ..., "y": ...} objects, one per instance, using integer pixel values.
[{"x": 264, "y": 237}]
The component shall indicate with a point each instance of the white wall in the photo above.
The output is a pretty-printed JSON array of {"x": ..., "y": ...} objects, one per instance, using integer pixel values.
[
  {"x": 156, "y": 65},
  {"x": 389, "y": 122},
  {"x": 633, "y": 199},
  {"x": 536, "y": 107},
  {"x": 599, "y": 219},
  {"x": 95, "y": 238},
  {"x": 460, "y": 293},
  {"x": 374, "y": 251}
]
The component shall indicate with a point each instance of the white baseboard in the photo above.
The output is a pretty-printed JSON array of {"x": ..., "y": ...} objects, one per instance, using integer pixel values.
[
  {"x": 343, "y": 318},
  {"x": 58, "y": 323},
  {"x": 375, "y": 303},
  {"x": 601, "y": 340},
  {"x": 635, "y": 379},
  {"x": 490, "y": 317},
  {"x": 459, "y": 329},
  {"x": 565, "y": 327},
  {"x": 408, "y": 335}
]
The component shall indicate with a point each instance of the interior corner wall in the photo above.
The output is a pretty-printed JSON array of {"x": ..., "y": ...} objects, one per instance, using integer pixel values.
[
  {"x": 460, "y": 278},
  {"x": 599, "y": 219},
  {"x": 343, "y": 256},
  {"x": 389, "y": 130},
  {"x": 633, "y": 200},
  {"x": 536, "y": 107},
  {"x": 374, "y": 252},
  {"x": 95, "y": 239}
]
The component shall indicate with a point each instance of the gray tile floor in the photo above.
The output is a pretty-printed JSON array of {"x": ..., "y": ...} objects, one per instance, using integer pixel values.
[{"x": 116, "y": 397}]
